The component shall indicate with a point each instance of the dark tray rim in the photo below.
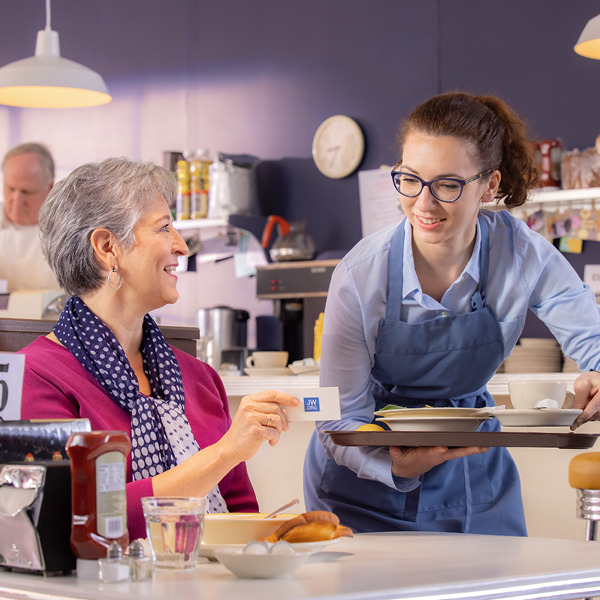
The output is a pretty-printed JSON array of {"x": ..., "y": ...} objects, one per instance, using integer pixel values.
[{"x": 459, "y": 439}]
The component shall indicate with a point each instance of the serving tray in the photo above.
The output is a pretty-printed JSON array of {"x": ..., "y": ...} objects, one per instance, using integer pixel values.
[{"x": 458, "y": 439}]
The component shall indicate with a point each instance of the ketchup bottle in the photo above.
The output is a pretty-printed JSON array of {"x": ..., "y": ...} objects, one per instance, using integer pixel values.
[{"x": 99, "y": 503}]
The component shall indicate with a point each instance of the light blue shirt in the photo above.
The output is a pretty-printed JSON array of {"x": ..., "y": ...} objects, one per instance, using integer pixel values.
[{"x": 525, "y": 272}]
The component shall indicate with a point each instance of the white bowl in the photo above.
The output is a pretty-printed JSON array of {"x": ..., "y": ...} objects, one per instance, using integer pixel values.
[
  {"x": 433, "y": 423},
  {"x": 260, "y": 566},
  {"x": 240, "y": 528}
]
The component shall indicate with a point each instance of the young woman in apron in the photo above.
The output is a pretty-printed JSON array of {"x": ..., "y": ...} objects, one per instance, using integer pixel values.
[{"x": 424, "y": 312}]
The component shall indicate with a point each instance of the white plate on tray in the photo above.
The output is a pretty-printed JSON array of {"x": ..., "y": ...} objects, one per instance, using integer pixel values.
[
  {"x": 434, "y": 412},
  {"x": 208, "y": 550},
  {"x": 272, "y": 372},
  {"x": 537, "y": 417},
  {"x": 433, "y": 423}
]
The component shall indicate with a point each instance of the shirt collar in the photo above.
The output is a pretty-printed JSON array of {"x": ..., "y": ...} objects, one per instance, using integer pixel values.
[{"x": 411, "y": 288}]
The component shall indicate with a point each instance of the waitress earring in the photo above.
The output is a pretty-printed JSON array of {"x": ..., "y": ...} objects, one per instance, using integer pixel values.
[{"x": 114, "y": 278}]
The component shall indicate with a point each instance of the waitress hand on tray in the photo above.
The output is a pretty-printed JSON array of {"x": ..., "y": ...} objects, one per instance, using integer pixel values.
[
  {"x": 108, "y": 235},
  {"x": 424, "y": 312},
  {"x": 587, "y": 397}
]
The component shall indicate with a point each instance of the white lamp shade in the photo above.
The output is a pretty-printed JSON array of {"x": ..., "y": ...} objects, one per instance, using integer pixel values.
[
  {"x": 47, "y": 80},
  {"x": 588, "y": 44}
]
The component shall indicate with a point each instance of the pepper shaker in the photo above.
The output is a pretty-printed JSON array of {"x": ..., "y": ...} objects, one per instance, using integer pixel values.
[{"x": 140, "y": 565}]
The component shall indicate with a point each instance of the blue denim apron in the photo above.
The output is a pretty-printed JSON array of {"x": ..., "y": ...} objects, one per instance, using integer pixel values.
[{"x": 445, "y": 361}]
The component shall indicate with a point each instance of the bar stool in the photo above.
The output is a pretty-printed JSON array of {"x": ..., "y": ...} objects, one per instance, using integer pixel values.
[{"x": 584, "y": 476}]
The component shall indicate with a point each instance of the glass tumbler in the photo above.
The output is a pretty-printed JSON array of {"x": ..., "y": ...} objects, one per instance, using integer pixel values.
[{"x": 174, "y": 526}]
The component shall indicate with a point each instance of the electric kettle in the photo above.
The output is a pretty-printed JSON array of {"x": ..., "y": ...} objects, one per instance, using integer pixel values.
[{"x": 293, "y": 242}]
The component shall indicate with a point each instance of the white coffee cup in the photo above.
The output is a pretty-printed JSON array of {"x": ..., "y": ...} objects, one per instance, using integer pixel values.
[
  {"x": 267, "y": 360},
  {"x": 526, "y": 394}
]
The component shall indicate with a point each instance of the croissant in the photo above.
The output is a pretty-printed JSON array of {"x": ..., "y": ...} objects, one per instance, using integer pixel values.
[{"x": 313, "y": 526}]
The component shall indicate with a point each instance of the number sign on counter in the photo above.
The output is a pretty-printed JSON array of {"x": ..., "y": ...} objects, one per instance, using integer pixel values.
[{"x": 11, "y": 385}]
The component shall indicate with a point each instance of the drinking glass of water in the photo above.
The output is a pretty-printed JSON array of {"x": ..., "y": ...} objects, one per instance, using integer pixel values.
[{"x": 174, "y": 526}]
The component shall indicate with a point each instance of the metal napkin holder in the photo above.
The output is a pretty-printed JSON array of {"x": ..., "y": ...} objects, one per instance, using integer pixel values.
[{"x": 35, "y": 517}]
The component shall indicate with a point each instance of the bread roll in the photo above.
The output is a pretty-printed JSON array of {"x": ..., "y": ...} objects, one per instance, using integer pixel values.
[
  {"x": 584, "y": 471},
  {"x": 312, "y": 526},
  {"x": 315, "y": 531}
]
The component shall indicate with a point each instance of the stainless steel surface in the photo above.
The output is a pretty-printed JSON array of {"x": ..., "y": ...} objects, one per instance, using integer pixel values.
[
  {"x": 588, "y": 504},
  {"x": 303, "y": 279},
  {"x": 221, "y": 328}
]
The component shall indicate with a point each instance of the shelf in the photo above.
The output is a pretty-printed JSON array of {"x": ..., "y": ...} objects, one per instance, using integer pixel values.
[
  {"x": 542, "y": 196},
  {"x": 199, "y": 224}
]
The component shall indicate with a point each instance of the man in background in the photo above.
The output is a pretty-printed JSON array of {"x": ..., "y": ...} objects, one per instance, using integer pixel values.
[{"x": 28, "y": 172}]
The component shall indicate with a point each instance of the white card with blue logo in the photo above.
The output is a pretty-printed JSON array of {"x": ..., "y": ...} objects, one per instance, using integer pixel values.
[{"x": 316, "y": 404}]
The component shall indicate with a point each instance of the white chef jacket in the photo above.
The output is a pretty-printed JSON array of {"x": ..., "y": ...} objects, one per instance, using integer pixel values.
[{"x": 22, "y": 263}]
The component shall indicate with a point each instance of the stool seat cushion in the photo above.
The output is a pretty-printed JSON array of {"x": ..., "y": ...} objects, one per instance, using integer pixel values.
[{"x": 584, "y": 471}]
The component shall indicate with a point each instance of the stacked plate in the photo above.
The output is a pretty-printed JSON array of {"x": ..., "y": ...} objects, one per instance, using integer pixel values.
[
  {"x": 569, "y": 365},
  {"x": 534, "y": 355}
]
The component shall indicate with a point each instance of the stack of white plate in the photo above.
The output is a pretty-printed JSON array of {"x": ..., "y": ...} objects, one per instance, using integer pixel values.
[
  {"x": 569, "y": 365},
  {"x": 534, "y": 355}
]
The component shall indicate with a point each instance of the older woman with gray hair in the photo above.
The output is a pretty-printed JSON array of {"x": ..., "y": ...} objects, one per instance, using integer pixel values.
[{"x": 107, "y": 233}]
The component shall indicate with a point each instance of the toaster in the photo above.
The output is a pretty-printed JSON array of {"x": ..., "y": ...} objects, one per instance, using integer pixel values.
[{"x": 35, "y": 517}]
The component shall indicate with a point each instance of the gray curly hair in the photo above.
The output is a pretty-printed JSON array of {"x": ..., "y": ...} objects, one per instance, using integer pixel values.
[{"x": 113, "y": 194}]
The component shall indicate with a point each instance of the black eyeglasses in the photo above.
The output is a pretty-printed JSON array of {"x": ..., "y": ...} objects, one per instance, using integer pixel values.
[{"x": 444, "y": 189}]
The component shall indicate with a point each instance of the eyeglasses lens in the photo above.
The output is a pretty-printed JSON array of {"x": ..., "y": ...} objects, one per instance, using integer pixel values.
[{"x": 446, "y": 190}]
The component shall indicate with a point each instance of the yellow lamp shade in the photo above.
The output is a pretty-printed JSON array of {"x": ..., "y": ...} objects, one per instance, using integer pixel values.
[{"x": 588, "y": 44}]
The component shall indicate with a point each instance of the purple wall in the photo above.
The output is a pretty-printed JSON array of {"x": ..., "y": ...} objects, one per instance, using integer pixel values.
[{"x": 373, "y": 60}]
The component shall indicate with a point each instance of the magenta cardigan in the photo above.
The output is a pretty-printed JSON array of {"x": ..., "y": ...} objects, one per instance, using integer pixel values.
[{"x": 57, "y": 386}]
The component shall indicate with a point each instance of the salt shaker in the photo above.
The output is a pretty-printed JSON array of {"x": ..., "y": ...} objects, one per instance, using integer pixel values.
[
  {"x": 140, "y": 566},
  {"x": 114, "y": 567}
]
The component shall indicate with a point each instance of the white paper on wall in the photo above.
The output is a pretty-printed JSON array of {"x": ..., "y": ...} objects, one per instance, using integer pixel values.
[{"x": 378, "y": 200}]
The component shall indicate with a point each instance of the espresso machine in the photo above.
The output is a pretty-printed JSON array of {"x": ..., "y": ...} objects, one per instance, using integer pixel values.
[{"x": 299, "y": 291}]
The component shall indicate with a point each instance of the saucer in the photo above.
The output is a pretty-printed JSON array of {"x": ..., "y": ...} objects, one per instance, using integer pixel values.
[
  {"x": 269, "y": 372},
  {"x": 537, "y": 417},
  {"x": 304, "y": 369}
]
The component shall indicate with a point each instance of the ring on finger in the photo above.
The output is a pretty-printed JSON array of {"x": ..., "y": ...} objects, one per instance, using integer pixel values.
[{"x": 269, "y": 420}]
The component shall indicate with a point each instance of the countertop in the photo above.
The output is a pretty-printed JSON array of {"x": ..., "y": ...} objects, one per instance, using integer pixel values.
[
  {"x": 401, "y": 566},
  {"x": 498, "y": 385}
]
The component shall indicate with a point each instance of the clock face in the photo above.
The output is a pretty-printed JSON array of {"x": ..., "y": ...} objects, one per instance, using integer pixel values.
[{"x": 338, "y": 146}]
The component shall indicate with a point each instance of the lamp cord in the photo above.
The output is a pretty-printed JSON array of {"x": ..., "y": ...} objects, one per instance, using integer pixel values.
[{"x": 48, "y": 24}]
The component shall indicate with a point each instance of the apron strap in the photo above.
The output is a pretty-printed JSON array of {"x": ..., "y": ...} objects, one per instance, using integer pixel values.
[{"x": 395, "y": 273}]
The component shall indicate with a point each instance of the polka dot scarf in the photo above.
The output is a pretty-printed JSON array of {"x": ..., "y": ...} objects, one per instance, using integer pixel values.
[{"x": 161, "y": 436}]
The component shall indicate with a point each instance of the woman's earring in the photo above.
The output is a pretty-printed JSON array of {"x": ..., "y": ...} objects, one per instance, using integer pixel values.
[{"x": 114, "y": 278}]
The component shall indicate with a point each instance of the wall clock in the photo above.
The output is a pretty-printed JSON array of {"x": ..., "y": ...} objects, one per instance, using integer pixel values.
[{"x": 338, "y": 146}]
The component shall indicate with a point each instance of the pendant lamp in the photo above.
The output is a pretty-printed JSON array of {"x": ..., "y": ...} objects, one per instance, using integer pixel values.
[
  {"x": 47, "y": 80},
  {"x": 589, "y": 41}
]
